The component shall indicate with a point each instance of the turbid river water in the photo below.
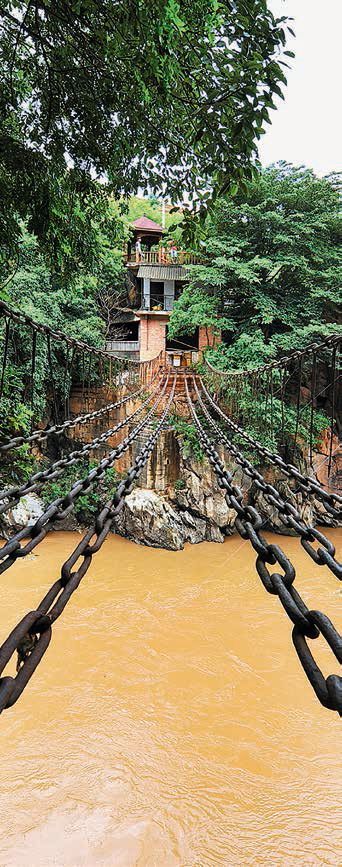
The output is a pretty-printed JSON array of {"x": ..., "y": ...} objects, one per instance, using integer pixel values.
[{"x": 169, "y": 723}]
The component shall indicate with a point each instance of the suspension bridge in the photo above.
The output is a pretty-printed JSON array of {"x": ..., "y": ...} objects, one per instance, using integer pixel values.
[{"x": 217, "y": 404}]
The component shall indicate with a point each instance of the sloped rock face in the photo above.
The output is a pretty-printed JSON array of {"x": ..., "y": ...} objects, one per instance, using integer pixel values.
[
  {"x": 25, "y": 513},
  {"x": 150, "y": 520},
  {"x": 271, "y": 516},
  {"x": 190, "y": 508},
  {"x": 180, "y": 500},
  {"x": 198, "y": 492}
]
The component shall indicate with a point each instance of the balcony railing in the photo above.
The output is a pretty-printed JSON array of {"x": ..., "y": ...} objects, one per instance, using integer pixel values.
[
  {"x": 122, "y": 346},
  {"x": 158, "y": 257},
  {"x": 157, "y": 303}
]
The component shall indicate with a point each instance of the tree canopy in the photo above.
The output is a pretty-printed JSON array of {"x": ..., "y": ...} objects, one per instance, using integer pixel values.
[
  {"x": 162, "y": 95},
  {"x": 274, "y": 268}
]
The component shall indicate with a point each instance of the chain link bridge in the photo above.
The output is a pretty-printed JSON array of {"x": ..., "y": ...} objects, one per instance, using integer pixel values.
[{"x": 217, "y": 405}]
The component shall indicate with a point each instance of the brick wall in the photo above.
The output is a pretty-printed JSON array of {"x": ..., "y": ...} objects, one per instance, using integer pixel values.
[
  {"x": 94, "y": 399},
  {"x": 152, "y": 336}
]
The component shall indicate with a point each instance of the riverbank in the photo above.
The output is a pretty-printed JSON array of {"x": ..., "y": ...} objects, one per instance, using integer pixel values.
[{"x": 169, "y": 721}]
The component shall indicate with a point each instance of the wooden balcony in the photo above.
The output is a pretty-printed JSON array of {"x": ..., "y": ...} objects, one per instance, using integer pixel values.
[{"x": 158, "y": 257}]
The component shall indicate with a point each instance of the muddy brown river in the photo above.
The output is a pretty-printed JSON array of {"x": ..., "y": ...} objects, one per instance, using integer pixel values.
[{"x": 169, "y": 723}]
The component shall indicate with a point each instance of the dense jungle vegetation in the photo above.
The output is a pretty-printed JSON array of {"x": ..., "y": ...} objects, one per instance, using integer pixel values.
[
  {"x": 274, "y": 271},
  {"x": 271, "y": 284},
  {"x": 95, "y": 104},
  {"x": 165, "y": 96}
]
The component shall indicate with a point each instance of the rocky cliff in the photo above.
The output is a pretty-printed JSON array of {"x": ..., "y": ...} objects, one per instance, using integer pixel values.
[{"x": 179, "y": 500}]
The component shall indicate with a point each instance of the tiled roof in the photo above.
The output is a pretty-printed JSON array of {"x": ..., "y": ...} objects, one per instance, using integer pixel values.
[
  {"x": 163, "y": 272},
  {"x": 147, "y": 224}
]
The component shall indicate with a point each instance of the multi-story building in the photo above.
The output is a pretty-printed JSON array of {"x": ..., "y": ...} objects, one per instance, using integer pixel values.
[{"x": 156, "y": 273}]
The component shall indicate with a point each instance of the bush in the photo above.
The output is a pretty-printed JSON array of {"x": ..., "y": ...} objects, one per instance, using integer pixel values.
[
  {"x": 86, "y": 505},
  {"x": 180, "y": 485},
  {"x": 190, "y": 444}
]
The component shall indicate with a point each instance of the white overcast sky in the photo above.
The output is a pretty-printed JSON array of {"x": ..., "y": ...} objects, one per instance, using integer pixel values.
[{"x": 307, "y": 128}]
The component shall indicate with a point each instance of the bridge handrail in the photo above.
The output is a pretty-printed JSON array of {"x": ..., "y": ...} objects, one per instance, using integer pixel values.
[
  {"x": 305, "y": 623},
  {"x": 63, "y": 505},
  {"x": 306, "y": 483},
  {"x": 38, "y": 436},
  {"x": 296, "y": 354},
  {"x": 287, "y": 512},
  {"x": 37, "y": 625},
  {"x": 34, "y": 484},
  {"x": 40, "y": 327}
]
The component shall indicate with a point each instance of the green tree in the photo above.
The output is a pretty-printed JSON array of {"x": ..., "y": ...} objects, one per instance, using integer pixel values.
[
  {"x": 158, "y": 94},
  {"x": 273, "y": 276},
  {"x": 74, "y": 304}
]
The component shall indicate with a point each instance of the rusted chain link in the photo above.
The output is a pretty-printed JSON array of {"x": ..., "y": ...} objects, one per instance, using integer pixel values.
[
  {"x": 307, "y": 624},
  {"x": 31, "y": 636},
  {"x": 288, "y": 514},
  {"x": 38, "y": 436},
  {"x": 38, "y": 480},
  {"x": 62, "y": 506},
  {"x": 297, "y": 354},
  {"x": 332, "y": 501}
]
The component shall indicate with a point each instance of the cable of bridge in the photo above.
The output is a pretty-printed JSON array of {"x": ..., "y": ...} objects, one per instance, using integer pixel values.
[
  {"x": 125, "y": 370},
  {"x": 30, "y": 638},
  {"x": 62, "y": 506},
  {"x": 17, "y": 316},
  {"x": 36, "y": 482},
  {"x": 307, "y": 624},
  {"x": 307, "y": 484},
  {"x": 288, "y": 513},
  {"x": 38, "y": 436},
  {"x": 331, "y": 340}
]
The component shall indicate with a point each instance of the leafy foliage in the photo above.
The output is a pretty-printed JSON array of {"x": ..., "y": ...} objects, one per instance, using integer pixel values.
[
  {"x": 274, "y": 428},
  {"x": 87, "y": 505},
  {"x": 161, "y": 94},
  {"x": 272, "y": 283},
  {"x": 190, "y": 444},
  {"x": 70, "y": 306},
  {"x": 180, "y": 484},
  {"x": 273, "y": 278}
]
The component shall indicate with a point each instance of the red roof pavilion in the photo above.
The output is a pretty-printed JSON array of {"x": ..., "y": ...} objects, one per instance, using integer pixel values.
[{"x": 147, "y": 225}]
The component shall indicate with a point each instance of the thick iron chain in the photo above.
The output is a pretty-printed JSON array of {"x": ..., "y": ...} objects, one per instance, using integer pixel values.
[
  {"x": 38, "y": 480},
  {"x": 39, "y": 327},
  {"x": 307, "y": 624},
  {"x": 31, "y": 636},
  {"x": 332, "y": 501},
  {"x": 62, "y": 506},
  {"x": 38, "y": 436},
  {"x": 288, "y": 513}
]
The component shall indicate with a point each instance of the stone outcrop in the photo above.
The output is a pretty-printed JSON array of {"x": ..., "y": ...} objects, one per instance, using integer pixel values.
[
  {"x": 197, "y": 492},
  {"x": 25, "y": 513},
  {"x": 149, "y": 519},
  {"x": 180, "y": 500}
]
